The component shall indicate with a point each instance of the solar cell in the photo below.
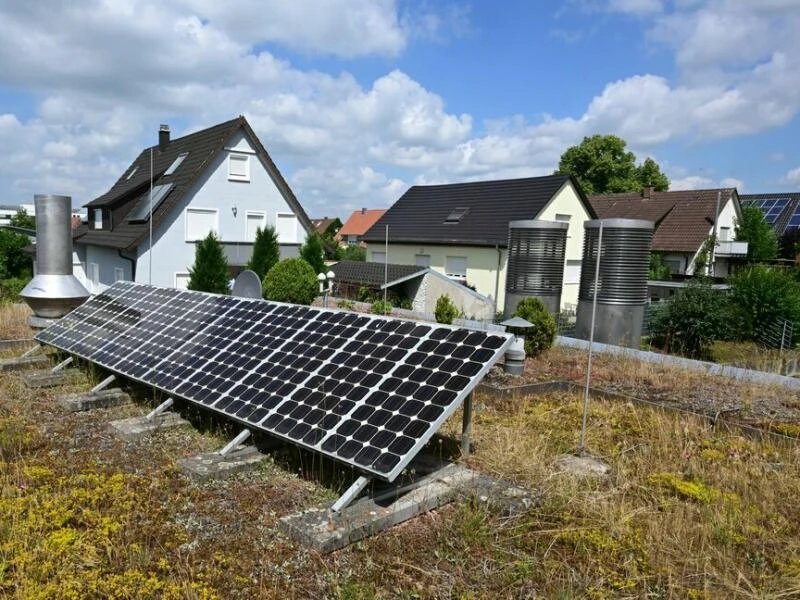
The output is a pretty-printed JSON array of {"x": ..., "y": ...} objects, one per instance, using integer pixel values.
[
  {"x": 366, "y": 390},
  {"x": 771, "y": 207}
]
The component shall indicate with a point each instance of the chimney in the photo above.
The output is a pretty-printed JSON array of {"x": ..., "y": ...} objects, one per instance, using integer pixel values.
[
  {"x": 363, "y": 211},
  {"x": 647, "y": 192},
  {"x": 163, "y": 137}
]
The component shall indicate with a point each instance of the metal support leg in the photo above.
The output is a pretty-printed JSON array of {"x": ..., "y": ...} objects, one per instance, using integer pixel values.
[
  {"x": 32, "y": 351},
  {"x": 352, "y": 492},
  {"x": 466, "y": 425},
  {"x": 159, "y": 409},
  {"x": 235, "y": 442},
  {"x": 61, "y": 365},
  {"x": 103, "y": 384}
]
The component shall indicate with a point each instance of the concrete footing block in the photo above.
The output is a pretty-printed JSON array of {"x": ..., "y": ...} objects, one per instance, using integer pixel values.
[
  {"x": 48, "y": 379},
  {"x": 18, "y": 344},
  {"x": 91, "y": 400},
  {"x": 37, "y": 361},
  {"x": 204, "y": 467},
  {"x": 323, "y": 530},
  {"x": 137, "y": 427}
]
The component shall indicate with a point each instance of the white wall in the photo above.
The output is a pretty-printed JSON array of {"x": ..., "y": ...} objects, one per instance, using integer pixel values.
[
  {"x": 482, "y": 262},
  {"x": 107, "y": 260}
]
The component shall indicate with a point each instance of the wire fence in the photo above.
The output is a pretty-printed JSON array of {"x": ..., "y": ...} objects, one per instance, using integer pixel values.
[{"x": 777, "y": 334}]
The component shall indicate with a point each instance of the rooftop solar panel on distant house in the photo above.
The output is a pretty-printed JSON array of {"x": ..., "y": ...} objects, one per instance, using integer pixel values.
[{"x": 771, "y": 207}]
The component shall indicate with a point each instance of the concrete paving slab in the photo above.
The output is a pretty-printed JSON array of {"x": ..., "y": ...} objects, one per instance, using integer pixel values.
[
  {"x": 582, "y": 466},
  {"x": 37, "y": 361},
  {"x": 48, "y": 379},
  {"x": 204, "y": 467},
  {"x": 19, "y": 344},
  {"x": 84, "y": 401},
  {"x": 323, "y": 530},
  {"x": 137, "y": 427}
]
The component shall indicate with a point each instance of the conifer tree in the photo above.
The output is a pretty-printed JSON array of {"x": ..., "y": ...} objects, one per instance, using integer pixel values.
[
  {"x": 312, "y": 252},
  {"x": 266, "y": 251},
  {"x": 210, "y": 270}
]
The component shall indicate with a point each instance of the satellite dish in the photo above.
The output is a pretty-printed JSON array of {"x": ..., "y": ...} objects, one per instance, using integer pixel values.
[{"x": 247, "y": 285}]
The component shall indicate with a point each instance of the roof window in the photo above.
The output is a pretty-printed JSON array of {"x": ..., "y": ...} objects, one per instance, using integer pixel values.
[
  {"x": 176, "y": 163},
  {"x": 142, "y": 210},
  {"x": 456, "y": 215}
]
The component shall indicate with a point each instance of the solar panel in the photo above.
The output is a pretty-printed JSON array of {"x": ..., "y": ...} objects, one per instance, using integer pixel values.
[
  {"x": 141, "y": 212},
  {"x": 771, "y": 207},
  {"x": 366, "y": 390}
]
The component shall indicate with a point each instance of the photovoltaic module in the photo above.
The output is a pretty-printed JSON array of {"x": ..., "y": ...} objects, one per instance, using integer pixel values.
[{"x": 365, "y": 390}]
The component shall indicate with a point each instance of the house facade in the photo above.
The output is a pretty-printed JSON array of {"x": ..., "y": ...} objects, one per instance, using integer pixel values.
[
  {"x": 685, "y": 223},
  {"x": 461, "y": 230},
  {"x": 220, "y": 179},
  {"x": 357, "y": 224}
]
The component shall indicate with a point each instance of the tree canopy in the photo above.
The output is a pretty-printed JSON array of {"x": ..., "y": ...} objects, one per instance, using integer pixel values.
[
  {"x": 23, "y": 219},
  {"x": 762, "y": 243},
  {"x": 210, "y": 270},
  {"x": 601, "y": 165},
  {"x": 266, "y": 251},
  {"x": 312, "y": 252}
]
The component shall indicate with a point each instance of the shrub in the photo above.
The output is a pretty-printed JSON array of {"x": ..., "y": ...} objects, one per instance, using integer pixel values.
[
  {"x": 312, "y": 253},
  {"x": 543, "y": 333},
  {"x": 445, "y": 310},
  {"x": 210, "y": 270},
  {"x": 689, "y": 323},
  {"x": 379, "y": 307},
  {"x": 10, "y": 289},
  {"x": 365, "y": 294},
  {"x": 762, "y": 295},
  {"x": 266, "y": 251},
  {"x": 345, "y": 304},
  {"x": 353, "y": 252},
  {"x": 14, "y": 262},
  {"x": 291, "y": 280}
]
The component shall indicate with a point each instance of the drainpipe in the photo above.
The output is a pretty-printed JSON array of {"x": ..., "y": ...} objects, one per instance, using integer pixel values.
[
  {"x": 133, "y": 264},
  {"x": 497, "y": 276},
  {"x": 713, "y": 257}
]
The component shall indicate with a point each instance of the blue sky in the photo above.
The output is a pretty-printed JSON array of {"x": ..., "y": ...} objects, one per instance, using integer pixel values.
[{"x": 358, "y": 99}]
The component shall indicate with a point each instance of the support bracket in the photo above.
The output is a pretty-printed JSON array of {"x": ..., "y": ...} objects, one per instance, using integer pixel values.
[
  {"x": 243, "y": 435},
  {"x": 466, "y": 425},
  {"x": 350, "y": 494},
  {"x": 32, "y": 351},
  {"x": 103, "y": 384},
  {"x": 159, "y": 409},
  {"x": 61, "y": 365}
]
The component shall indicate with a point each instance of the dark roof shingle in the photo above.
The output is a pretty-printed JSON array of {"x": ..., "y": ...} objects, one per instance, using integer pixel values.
[{"x": 419, "y": 215}]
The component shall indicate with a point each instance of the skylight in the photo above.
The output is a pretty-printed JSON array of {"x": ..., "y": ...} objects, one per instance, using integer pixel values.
[
  {"x": 141, "y": 212},
  {"x": 176, "y": 163},
  {"x": 456, "y": 215}
]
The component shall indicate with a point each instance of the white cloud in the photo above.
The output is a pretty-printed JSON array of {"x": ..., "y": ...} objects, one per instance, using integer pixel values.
[
  {"x": 701, "y": 182},
  {"x": 792, "y": 177},
  {"x": 636, "y": 7}
]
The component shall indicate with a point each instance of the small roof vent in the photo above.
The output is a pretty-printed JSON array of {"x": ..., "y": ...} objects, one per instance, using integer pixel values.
[{"x": 456, "y": 215}]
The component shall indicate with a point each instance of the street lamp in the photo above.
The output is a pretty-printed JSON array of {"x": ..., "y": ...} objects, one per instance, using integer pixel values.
[{"x": 325, "y": 286}]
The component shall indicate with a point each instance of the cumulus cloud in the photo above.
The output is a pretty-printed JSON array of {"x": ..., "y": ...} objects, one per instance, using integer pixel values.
[{"x": 792, "y": 178}]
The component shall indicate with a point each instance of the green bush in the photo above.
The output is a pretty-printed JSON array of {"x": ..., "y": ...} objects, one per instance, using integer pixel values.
[
  {"x": 266, "y": 251},
  {"x": 291, "y": 280},
  {"x": 543, "y": 333},
  {"x": 445, "y": 310},
  {"x": 10, "y": 289},
  {"x": 760, "y": 296},
  {"x": 345, "y": 304},
  {"x": 313, "y": 253},
  {"x": 379, "y": 307},
  {"x": 14, "y": 261},
  {"x": 689, "y": 323},
  {"x": 353, "y": 252},
  {"x": 209, "y": 273}
]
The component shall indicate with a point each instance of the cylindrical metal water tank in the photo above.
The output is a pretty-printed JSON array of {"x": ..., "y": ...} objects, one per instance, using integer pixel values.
[
  {"x": 622, "y": 281},
  {"x": 54, "y": 290},
  {"x": 535, "y": 263}
]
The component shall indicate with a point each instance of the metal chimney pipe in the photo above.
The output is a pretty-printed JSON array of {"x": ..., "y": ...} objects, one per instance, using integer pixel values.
[{"x": 54, "y": 291}]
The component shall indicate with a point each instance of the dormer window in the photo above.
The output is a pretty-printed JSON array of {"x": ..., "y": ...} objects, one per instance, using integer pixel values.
[
  {"x": 456, "y": 215},
  {"x": 176, "y": 163},
  {"x": 238, "y": 167},
  {"x": 98, "y": 218}
]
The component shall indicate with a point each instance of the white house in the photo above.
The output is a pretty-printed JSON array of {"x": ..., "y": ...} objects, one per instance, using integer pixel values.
[
  {"x": 685, "y": 222},
  {"x": 219, "y": 179},
  {"x": 461, "y": 229}
]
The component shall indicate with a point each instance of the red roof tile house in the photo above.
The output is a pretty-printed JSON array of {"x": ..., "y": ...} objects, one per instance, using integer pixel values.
[
  {"x": 684, "y": 221},
  {"x": 358, "y": 224}
]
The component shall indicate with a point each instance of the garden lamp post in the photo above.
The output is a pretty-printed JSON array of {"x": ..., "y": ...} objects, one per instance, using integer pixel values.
[{"x": 325, "y": 286}]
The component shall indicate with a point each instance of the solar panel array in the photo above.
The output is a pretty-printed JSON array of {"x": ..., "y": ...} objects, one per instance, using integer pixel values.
[
  {"x": 771, "y": 207},
  {"x": 794, "y": 220},
  {"x": 365, "y": 390}
]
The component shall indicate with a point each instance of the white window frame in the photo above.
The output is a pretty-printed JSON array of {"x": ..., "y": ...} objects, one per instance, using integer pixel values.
[
  {"x": 247, "y": 215},
  {"x": 235, "y": 157},
  {"x": 572, "y": 271},
  {"x": 450, "y": 272},
  {"x": 278, "y": 216},
  {"x": 563, "y": 218},
  {"x": 93, "y": 275},
  {"x": 119, "y": 274},
  {"x": 379, "y": 257},
  {"x": 177, "y": 275},
  {"x": 426, "y": 258},
  {"x": 198, "y": 209},
  {"x": 98, "y": 218}
]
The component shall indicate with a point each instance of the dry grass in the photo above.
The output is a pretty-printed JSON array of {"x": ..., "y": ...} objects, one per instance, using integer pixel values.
[
  {"x": 12, "y": 322},
  {"x": 688, "y": 512}
]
